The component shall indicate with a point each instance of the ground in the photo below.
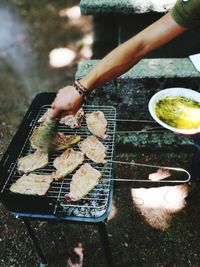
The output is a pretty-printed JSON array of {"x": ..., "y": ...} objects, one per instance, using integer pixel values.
[{"x": 138, "y": 237}]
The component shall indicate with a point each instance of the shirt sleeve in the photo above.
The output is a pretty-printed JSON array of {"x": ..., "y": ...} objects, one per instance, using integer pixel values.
[{"x": 186, "y": 13}]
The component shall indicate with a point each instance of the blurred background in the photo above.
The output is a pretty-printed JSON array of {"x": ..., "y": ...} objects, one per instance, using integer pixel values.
[{"x": 40, "y": 45}]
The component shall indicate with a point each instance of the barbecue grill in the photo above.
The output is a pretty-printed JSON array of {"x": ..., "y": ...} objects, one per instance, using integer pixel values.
[{"x": 93, "y": 208}]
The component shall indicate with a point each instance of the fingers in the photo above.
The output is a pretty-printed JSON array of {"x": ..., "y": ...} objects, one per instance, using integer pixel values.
[
  {"x": 67, "y": 101},
  {"x": 59, "y": 112},
  {"x": 55, "y": 113},
  {"x": 65, "y": 113}
]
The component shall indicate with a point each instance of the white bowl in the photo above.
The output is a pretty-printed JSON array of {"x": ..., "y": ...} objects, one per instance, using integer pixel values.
[{"x": 176, "y": 91}]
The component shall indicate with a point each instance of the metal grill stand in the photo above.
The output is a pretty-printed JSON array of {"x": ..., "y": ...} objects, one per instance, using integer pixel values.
[
  {"x": 35, "y": 242},
  {"x": 92, "y": 209},
  {"x": 102, "y": 228}
]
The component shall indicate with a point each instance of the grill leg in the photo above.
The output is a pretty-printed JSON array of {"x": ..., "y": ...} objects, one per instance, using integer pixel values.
[
  {"x": 105, "y": 243},
  {"x": 35, "y": 242}
]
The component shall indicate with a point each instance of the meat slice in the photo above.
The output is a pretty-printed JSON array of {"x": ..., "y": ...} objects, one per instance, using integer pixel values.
[
  {"x": 93, "y": 149},
  {"x": 66, "y": 163},
  {"x": 33, "y": 161},
  {"x": 97, "y": 123},
  {"x": 159, "y": 175},
  {"x": 63, "y": 141},
  {"x": 32, "y": 184},
  {"x": 83, "y": 181},
  {"x": 73, "y": 121}
]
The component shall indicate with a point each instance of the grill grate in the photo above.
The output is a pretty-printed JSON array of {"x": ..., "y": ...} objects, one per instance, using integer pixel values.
[{"x": 95, "y": 204}]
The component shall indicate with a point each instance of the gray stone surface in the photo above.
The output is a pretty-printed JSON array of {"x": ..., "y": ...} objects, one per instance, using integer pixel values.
[
  {"x": 152, "y": 140},
  {"x": 91, "y": 7},
  {"x": 162, "y": 68},
  {"x": 131, "y": 92},
  {"x": 150, "y": 68}
]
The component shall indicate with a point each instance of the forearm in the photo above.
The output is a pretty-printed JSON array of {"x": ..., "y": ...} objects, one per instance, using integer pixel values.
[
  {"x": 114, "y": 64},
  {"x": 129, "y": 53}
]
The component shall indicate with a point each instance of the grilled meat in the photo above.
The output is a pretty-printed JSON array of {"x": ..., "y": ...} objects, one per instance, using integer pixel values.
[
  {"x": 93, "y": 149},
  {"x": 97, "y": 123},
  {"x": 32, "y": 184},
  {"x": 32, "y": 162},
  {"x": 83, "y": 181},
  {"x": 66, "y": 163},
  {"x": 73, "y": 121},
  {"x": 62, "y": 141}
]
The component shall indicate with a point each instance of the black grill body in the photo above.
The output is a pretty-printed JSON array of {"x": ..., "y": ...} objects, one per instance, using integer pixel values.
[{"x": 92, "y": 208}]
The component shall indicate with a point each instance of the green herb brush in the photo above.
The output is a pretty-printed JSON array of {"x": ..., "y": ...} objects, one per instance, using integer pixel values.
[{"x": 43, "y": 137}]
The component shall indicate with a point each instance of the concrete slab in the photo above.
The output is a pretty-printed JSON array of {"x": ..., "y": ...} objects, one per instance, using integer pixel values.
[
  {"x": 150, "y": 68},
  {"x": 91, "y": 7},
  {"x": 131, "y": 92}
]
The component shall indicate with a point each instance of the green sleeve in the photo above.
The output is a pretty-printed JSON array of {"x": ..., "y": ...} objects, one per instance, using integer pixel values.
[{"x": 187, "y": 13}]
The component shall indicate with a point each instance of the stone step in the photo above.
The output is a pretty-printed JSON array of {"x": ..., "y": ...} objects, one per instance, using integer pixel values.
[
  {"x": 150, "y": 68},
  {"x": 115, "y": 21},
  {"x": 131, "y": 92},
  {"x": 92, "y": 7}
]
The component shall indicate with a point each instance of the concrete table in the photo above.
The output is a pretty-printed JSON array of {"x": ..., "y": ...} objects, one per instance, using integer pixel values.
[{"x": 115, "y": 21}]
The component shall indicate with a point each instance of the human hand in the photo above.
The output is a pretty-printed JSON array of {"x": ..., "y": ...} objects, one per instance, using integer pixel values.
[{"x": 67, "y": 101}]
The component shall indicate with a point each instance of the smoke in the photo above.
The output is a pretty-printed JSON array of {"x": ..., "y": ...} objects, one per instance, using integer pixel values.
[{"x": 15, "y": 48}]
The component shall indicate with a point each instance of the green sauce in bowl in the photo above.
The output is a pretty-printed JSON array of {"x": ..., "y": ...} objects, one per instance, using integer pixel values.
[{"x": 179, "y": 112}]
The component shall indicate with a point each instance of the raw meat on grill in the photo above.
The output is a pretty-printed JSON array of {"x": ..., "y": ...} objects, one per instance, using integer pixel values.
[
  {"x": 159, "y": 175},
  {"x": 66, "y": 163},
  {"x": 33, "y": 161},
  {"x": 32, "y": 184},
  {"x": 93, "y": 149},
  {"x": 97, "y": 123},
  {"x": 73, "y": 121},
  {"x": 83, "y": 181}
]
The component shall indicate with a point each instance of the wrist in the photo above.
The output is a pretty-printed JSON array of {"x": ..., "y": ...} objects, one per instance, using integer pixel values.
[
  {"x": 87, "y": 83},
  {"x": 82, "y": 91}
]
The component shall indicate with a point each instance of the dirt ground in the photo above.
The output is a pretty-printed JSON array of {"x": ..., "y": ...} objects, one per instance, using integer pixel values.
[{"x": 160, "y": 232}]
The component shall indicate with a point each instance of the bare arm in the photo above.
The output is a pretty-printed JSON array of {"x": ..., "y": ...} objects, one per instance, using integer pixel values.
[
  {"x": 129, "y": 53},
  {"x": 119, "y": 61}
]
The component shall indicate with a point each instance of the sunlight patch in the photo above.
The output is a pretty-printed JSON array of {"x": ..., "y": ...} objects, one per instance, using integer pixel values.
[
  {"x": 113, "y": 212},
  {"x": 152, "y": 5},
  {"x": 61, "y": 57},
  {"x": 79, "y": 259},
  {"x": 72, "y": 13},
  {"x": 86, "y": 52},
  {"x": 159, "y": 205},
  {"x": 88, "y": 39}
]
